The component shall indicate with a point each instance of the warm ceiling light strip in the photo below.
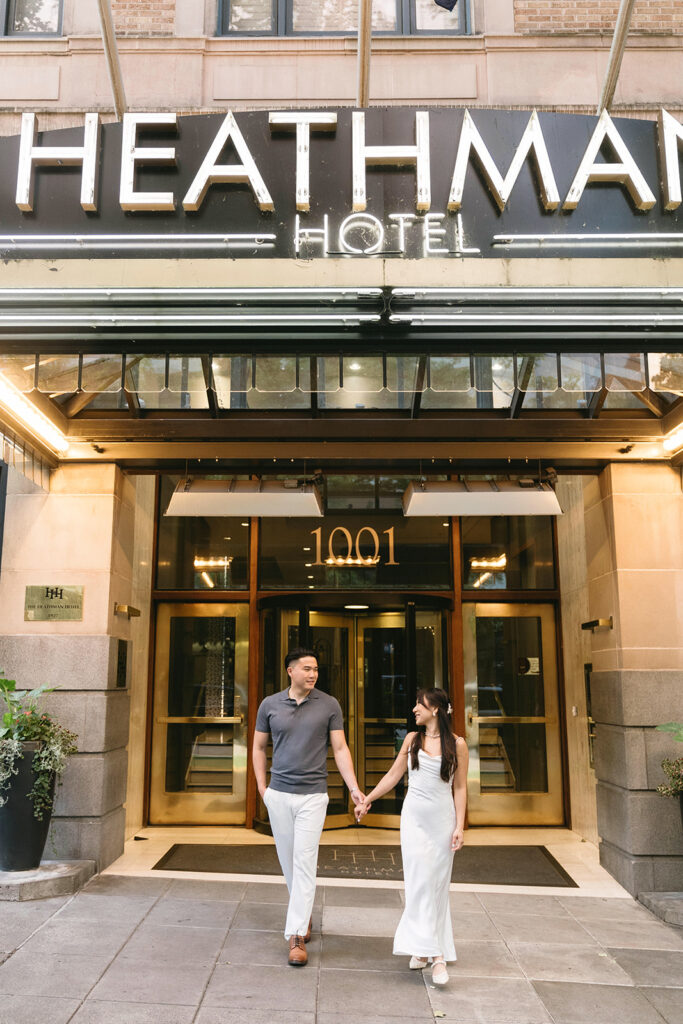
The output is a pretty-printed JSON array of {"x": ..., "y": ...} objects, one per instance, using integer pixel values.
[
  {"x": 28, "y": 416},
  {"x": 673, "y": 442}
]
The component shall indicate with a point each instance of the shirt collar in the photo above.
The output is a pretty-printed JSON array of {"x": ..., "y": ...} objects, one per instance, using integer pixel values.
[{"x": 284, "y": 695}]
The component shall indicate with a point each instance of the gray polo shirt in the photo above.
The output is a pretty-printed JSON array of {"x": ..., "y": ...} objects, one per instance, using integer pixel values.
[{"x": 301, "y": 735}]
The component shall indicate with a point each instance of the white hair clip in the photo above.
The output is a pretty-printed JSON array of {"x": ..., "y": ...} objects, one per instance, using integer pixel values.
[{"x": 450, "y": 710}]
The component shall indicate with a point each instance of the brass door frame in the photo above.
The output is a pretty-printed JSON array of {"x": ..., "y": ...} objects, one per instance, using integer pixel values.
[
  {"x": 342, "y": 621},
  {"x": 201, "y": 808},
  {"x": 531, "y": 808},
  {"x": 375, "y": 621},
  {"x": 357, "y": 623}
]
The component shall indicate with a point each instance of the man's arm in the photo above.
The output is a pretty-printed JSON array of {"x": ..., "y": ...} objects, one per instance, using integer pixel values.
[
  {"x": 258, "y": 759},
  {"x": 342, "y": 756}
]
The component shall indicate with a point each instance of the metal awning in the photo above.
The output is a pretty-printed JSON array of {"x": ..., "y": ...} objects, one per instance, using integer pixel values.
[{"x": 192, "y": 319}]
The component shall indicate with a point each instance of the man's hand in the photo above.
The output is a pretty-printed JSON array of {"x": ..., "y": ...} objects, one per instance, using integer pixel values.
[
  {"x": 357, "y": 797},
  {"x": 362, "y": 809}
]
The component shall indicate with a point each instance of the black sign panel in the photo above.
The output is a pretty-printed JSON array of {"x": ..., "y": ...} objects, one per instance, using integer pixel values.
[{"x": 611, "y": 216}]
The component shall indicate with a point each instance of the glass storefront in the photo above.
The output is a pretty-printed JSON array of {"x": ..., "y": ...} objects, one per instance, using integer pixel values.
[{"x": 373, "y": 593}]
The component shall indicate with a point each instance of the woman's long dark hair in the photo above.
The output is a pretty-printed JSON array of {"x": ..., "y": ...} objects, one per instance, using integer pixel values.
[{"x": 437, "y": 700}]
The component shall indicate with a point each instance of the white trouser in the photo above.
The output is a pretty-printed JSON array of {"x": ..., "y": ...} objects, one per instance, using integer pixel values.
[{"x": 297, "y": 822}]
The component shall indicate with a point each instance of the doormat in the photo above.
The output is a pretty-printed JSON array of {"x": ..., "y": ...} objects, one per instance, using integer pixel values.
[{"x": 474, "y": 865}]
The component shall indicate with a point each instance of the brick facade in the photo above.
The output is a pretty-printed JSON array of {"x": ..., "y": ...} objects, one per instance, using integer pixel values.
[
  {"x": 596, "y": 16},
  {"x": 144, "y": 17}
]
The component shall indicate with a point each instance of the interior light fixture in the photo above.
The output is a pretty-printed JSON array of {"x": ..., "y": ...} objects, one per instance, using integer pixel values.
[
  {"x": 479, "y": 498},
  {"x": 205, "y": 497},
  {"x": 213, "y": 563},
  {"x": 356, "y": 607},
  {"x": 489, "y": 563},
  {"x": 673, "y": 442},
  {"x": 207, "y": 579},
  {"x": 350, "y": 560},
  {"x": 30, "y": 417},
  {"x": 482, "y": 579}
]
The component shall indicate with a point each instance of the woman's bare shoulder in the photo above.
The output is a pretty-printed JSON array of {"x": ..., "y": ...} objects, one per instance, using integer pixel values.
[
  {"x": 460, "y": 743},
  {"x": 407, "y": 741}
]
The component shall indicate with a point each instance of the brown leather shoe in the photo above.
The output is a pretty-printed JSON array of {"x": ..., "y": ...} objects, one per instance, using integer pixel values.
[
  {"x": 307, "y": 936},
  {"x": 298, "y": 957}
]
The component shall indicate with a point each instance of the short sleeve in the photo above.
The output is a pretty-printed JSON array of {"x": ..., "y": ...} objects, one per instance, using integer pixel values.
[
  {"x": 336, "y": 717},
  {"x": 262, "y": 721}
]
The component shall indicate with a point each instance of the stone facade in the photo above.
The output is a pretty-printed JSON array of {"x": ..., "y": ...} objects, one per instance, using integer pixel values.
[
  {"x": 79, "y": 533},
  {"x": 591, "y": 16},
  {"x": 634, "y": 534}
]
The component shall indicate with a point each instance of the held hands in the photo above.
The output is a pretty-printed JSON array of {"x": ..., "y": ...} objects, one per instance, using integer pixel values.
[
  {"x": 458, "y": 839},
  {"x": 362, "y": 808}
]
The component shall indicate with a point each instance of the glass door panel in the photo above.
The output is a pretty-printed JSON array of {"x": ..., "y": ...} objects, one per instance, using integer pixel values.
[
  {"x": 332, "y": 638},
  {"x": 383, "y": 707},
  {"x": 512, "y": 717},
  {"x": 199, "y": 754}
]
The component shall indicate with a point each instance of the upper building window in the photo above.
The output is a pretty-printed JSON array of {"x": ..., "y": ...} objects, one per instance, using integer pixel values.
[
  {"x": 338, "y": 17},
  {"x": 31, "y": 17}
]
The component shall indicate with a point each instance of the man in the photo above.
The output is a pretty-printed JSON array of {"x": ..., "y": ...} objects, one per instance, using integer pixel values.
[{"x": 302, "y": 722}]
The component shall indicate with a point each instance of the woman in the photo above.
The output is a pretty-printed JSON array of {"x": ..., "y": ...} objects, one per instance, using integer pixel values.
[{"x": 432, "y": 821}]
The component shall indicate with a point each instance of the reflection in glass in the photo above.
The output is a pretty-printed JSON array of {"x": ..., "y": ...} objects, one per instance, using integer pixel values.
[
  {"x": 200, "y": 553},
  {"x": 340, "y": 15},
  {"x": 35, "y": 16},
  {"x": 20, "y": 370},
  {"x": 331, "y": 646},
  {"x": 625, "y": 371},
  {"x": 429, "y": 17},
  {"x": 57, "y": 375},
  {"x": 388, "y": 702},
  {"x": 251, "y": 15},
  {"x": 508, "y": 553},
  {"x": 199, "y": 757},
  {"x": 510, "y": 684},
  {"x": 101, "y": 373},
  {"x": 666, "y": 372}
]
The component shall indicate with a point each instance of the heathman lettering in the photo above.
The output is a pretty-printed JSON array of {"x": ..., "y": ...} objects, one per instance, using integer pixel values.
[{"x": 344, "y": 222}]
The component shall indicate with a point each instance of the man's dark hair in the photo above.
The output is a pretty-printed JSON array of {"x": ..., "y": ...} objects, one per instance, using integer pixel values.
[{"x": 299, "y": 652}]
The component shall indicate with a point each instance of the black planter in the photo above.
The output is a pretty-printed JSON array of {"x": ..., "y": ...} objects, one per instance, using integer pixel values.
[{"x": 22, "y": 836}]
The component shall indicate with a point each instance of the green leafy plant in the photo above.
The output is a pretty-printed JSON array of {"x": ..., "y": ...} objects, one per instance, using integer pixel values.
[
  {"x": 22, "y": 722},
  {"x": 672, "y": 767}
]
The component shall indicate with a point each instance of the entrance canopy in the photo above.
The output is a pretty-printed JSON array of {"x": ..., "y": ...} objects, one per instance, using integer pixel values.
[{"x": 186, "y": 373}]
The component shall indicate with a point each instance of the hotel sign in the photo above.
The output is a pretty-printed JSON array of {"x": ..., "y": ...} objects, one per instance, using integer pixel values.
[
  {"x": 53, "y": 604},
  {"x": 391, "y": 183}
]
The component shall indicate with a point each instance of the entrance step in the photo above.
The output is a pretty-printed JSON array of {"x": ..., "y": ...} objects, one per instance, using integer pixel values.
[{"x": 52, "y": 878}]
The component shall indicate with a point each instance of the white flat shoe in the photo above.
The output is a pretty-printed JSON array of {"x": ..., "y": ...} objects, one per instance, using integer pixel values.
[
  {"x": 439, "y": 973},
  {"x": 417, "y": 963}
]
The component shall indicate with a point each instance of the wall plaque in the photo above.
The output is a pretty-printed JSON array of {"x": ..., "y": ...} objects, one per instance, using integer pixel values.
[{"x": 53, "y": 604}]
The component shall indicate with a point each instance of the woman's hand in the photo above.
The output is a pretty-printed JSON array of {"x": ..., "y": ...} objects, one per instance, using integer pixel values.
[
  {"x": 458, "y": 839},
  {"x": 361, "y": 809}
]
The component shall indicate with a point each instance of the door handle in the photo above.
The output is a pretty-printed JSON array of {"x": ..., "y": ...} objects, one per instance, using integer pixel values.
[{"x": 197, "y": 720}]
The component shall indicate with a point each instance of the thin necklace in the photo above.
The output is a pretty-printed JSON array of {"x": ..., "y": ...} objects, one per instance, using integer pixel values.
[{"x": 431, "y": 735}]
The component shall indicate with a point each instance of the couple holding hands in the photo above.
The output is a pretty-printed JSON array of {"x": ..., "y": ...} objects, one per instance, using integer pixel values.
[{"x": 302, "y": 721}]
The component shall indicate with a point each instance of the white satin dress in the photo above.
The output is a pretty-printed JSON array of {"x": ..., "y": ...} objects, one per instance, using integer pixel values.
[{"x": 427, "y": 826}]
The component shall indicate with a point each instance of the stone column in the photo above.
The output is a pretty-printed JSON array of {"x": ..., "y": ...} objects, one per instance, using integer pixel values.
[
  {"x": 576, "y": 652},
  {"x": 80, "y": 533},
  {"x": 634, "y": 541}
]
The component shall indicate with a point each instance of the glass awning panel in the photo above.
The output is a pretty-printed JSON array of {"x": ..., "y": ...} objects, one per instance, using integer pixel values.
[{"x": 349, "y": 381}]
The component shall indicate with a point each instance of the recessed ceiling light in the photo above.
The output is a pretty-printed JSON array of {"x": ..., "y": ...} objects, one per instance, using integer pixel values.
[{"x": 357, "y": 607}]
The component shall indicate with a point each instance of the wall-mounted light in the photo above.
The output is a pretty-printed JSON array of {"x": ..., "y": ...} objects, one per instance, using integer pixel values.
[
  {"x": 202, "y": 497},
  {"x": 673, "y": 442},
  {"x": 30, "y": 417},
  {"x": 479, "y": 498}
]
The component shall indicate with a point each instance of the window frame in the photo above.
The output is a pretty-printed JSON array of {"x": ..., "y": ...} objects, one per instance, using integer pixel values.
[
  {"x": 7, "y": 9},
  {"x": 282, "y": 20}
]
